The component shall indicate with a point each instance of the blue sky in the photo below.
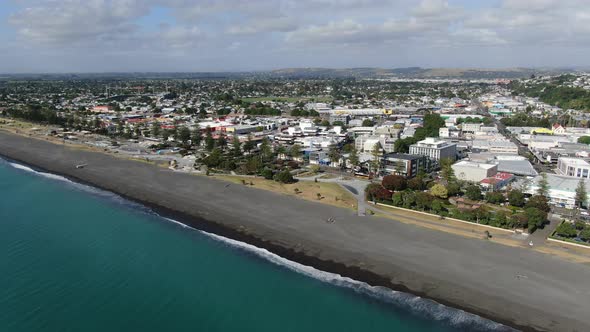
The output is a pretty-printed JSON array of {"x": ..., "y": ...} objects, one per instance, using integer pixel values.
[{"x": 230, "y": 35}]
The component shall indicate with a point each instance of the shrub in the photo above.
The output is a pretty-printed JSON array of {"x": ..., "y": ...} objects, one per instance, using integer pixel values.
[
  {"x": 440, "y": 191},
  {"x": 566, "y": 229},
  {"x": 314, "y": 169},
  {"x": 267, "y": 174},
  {"x": 284, "y": 177}
]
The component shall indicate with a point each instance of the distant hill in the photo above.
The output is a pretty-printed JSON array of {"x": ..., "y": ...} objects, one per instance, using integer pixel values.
[
  {"x": 416, "y": 72},
  {"x": 312, "y": 73}
]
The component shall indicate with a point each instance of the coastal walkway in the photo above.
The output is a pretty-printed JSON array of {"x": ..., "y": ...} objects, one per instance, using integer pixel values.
[{"x": 471, "y": 230}]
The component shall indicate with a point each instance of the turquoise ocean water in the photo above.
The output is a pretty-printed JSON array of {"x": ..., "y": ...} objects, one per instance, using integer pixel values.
[{"x": 73, "y": 258}]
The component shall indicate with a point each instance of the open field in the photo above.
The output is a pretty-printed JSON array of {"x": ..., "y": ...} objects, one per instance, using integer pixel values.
[{"x": 331, "y": 193}]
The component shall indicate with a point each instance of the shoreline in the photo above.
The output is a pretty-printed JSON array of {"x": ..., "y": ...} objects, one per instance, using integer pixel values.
[
  {"x": 311, "y": 253},
  {"x": 290, "y": 254}
]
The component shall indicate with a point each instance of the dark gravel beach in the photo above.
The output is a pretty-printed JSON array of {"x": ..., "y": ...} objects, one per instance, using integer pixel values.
[{"x": 515, "y": 286}]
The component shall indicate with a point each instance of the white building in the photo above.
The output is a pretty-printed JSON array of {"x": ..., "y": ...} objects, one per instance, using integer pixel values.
[
  {"x": 562, "y": 189},
  {"x": 497, "y": 146},
  {"x": 434, "y": 149},
  {"x": 471, "y": 127},
  {"x": 474, "y": 172},
  {"x": 366, "y": 143},
  {"x": 575, "y": 167}
]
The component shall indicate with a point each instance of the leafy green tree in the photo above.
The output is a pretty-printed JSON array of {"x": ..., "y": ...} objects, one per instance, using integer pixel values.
[
  {"x": 495, "y": 198},
  {"x": 439, "y": 190},
  {"x": 437, "y": 206},
  {"x": 581, "y": 194},
  {"x": 409, "y": 199},
  {"x": 377, "y": 158},
  {"x": 267, "y": 174},
  {"x": 423, "y": 200},
  {"x": 473, "y": 192},
  {"x": 209, "y": 141},
  {"x": 536, "y": 218},
  {"x": 416, "y": 183},
  {"x": 214, "y": 159},
  {"x": 501, "y": 219},
  {"x": 368, "y": 123},
  {"x": 516, "y": 198},
  {"x": 221, "y": 142},
  {"x": 543, "y": 184},
  {"x": 403, "y": 145},
  {"x": 430, "y": 128},
  {"x": 295, "y": 151},
  {"x": 353, "y": 157},
  {"x": 236, "y": 147},
  {"x": 538, "y": 202},
  {"x": 585, "y": 234},
  {"x": 454, "y": 189},
  {"x": 584, "y": 140},
  {"x": 196, "y": 137},
  {"x": 447, "y": 172},
  {"x": 184, "y": 134},
  {"x": 249, "y": 144},
  {"x": 155, "y": 130},
  {"x": 265, "y": 150},
  {"x": 334, "y": 154}
]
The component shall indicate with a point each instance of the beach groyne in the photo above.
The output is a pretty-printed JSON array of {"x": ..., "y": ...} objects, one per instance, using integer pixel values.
[{"x": 474, "y": 275}]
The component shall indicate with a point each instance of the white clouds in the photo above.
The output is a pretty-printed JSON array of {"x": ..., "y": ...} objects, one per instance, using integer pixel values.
[
  {"x": 74, "y": 21},
  {"x": 275, "y": 24},
  {"x": 351, "y": 29}
]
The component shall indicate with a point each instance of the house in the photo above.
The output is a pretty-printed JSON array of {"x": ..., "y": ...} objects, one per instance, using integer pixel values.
[{"x": 558, "y": 129}]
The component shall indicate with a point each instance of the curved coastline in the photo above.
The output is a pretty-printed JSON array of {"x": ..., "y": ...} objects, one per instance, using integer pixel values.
[{"x": 311, "y": 254}]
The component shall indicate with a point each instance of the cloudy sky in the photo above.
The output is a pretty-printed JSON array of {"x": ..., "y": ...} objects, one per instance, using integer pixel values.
[{"x": 230, "y": 35}]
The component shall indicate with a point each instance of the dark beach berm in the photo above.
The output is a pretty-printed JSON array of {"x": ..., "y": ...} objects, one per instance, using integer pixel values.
[{"x": 474, "y": 275}]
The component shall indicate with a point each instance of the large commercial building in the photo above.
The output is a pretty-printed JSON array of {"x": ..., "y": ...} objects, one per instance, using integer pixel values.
[
  {"x": 575, "y": 167},
  {"x": 434, "y": 149},
  {"x": 562, "y": 189},
  {"x": 405, "y": 164},
  {"x": 474, "y": 172}
]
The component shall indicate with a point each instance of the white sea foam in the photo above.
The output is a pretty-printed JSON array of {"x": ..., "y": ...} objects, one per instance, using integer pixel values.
[
  {"x": 423, "y": 307},
  {"x": 78, "y": 186}
]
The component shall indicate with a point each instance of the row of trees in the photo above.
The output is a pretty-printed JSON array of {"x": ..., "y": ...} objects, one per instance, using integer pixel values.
[{"x": 401, "y": 192}]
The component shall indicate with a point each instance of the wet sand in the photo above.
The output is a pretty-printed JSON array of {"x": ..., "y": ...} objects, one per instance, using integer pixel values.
[{"x": 515, "y": 286}]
